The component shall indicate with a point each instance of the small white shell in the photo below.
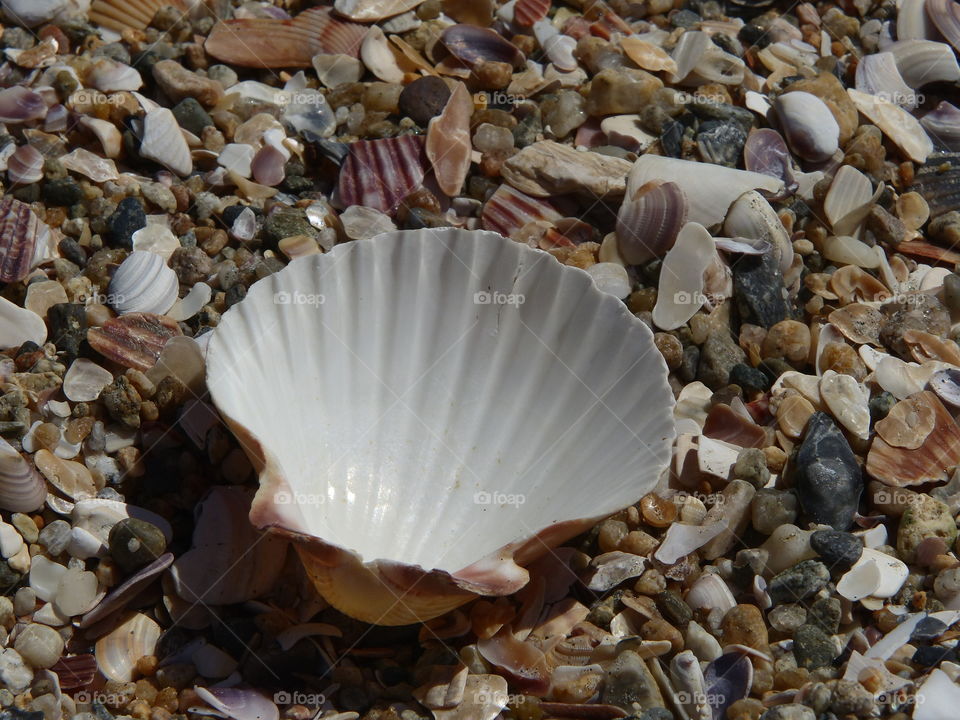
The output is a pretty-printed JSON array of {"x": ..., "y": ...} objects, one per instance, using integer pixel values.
[
  {"x": 680, "y": 292},
  {"x": 191, "y": 303},
  {"x": 163, "y": 142},
  {"x": 849, "y": 199},
  {"x": 143, "y": 283},
  {"x": 378, "y": 56},
  {"x": 84, "y": 380},
  {"x": 874, "y": 574},
  {"x": 751, "y": 216},
  {"x": 110, "y": 75},
  {"x": 19, "y": 325},
  {"x": 610, "y": 278},
  {"x": 238, "y": 158},
  {"x": 106, "y": 132},
  {"x": 157, "y": 239},
  {"x": 808, "y": 125},
  {"x": 25, "y": 166},
  {"x": 710, "y": 591},
  {"x": 117, "y": 652},
  {"x": 848, "y": 402}
]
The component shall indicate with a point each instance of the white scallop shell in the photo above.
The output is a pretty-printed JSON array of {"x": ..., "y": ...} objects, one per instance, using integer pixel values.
[
  {"x": 143, "y": 283},
  {"x": 408, "y": 367}
]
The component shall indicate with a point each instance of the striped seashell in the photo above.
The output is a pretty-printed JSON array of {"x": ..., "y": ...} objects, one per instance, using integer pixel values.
[
  {"x": 508, "y": 210},
  {"x": 24, "y": 238},
  {"x": 75, "y": 672},
  {"x": 527, "y": 12},
  {"x": 649, "y": 222},
  {"x": 22, "y": 489},
  {"x": 143, "y": 283},
  {"x": 134, "y": 340},
  {"x": 118, "y": 15},
  {"x": 163, "y": 142},
  {"x": 19, "y": 104},
  {"x": 263, "y": 43},
  {"x": 381, "y": 173},
  {"x": 117, "y": 652},
  {"x": 945, "y": 14},
  {"x": 25, "y": 166}
]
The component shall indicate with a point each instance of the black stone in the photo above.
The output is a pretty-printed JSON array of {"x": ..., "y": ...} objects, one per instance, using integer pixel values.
[
  {"x": 812, "y": 647},
  {"x": 68, "y": 328},
  {"x": 749, "y": 378},
  {"x": 124, "y": 222},
  {"x": 72, "y": 251},
  {"x": 424, "y": 99},
  {"x": 880, "y": 405},
  {"x": 231, "y": 212},
  {"x": 8, "y": 578},
  {"x": 709, "y": 110},
  {"x": 798, "y": 582},
  {"x": 825, "y": 614},
  {"x": 15, "y": 713},
  {"x": 63, "y": 192},
  {"x": 932, "y": 655},
  {"x": 928, "y": 630},
  {"x": 828, "y": 480},
  {"x": 838, "y": 550},
  {"x": 721, "y": 143},
  {"x": 671, "y": 139},
  {"x": 191, "y": 116},
  {"x": 687, "y": 372},
  {"x": 759, "y": 291}
]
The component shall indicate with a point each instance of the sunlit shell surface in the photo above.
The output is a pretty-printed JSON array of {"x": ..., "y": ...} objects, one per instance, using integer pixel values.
[{"x": 424, "y": 461}]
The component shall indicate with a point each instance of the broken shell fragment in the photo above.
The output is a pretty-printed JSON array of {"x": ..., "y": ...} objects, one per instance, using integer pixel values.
[
  {"x": 680, "y": 293},
  {"x": 908, "y": 424},
  {"x": 24, "y": 239},
  {"x": 133, "y": 340},
  {"x": 117, "y": 652},
  {"x": 25, "y": 166},
  {"x": 392, "y": 572},
  {"x": 848, "y": 402},
  {"x": 896, "y": 123},
  {"x": 372, "y": 10},
  {"x": 931, "y": 461},
  {"x": 448, "y": 141},
  {"x": 163, "y": 142}
]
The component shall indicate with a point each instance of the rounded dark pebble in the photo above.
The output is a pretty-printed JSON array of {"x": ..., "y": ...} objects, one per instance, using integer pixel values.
[
  {"x": 812, "y": 647},
  {"x": 424, "y": 99},
  {"x": 135, "y": 543},
  {"x": 880, "y": 405},
  {"x": 838, "y": 549},
  {"x": 933, "y": 655},
  {"x": 63, "y": 192},
  {"x": 124, "y": 222},
  {"x": 749, "y": 378}
]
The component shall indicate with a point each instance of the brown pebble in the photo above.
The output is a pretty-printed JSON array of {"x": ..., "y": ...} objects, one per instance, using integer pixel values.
[
  {"x": 611, "y": 534},
  {"x": 843, "y": 359},
  {"x": 788, "y": 339},
  {"x": 671, "y": 349},
  {"x": 658, "y": 629},
  {"x": 658, "y": 511},
  {"x": 744, "y": 625}
]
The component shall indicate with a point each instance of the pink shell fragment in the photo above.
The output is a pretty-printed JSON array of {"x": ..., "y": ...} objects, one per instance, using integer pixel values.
[
  {"x": 380, "y": 173},
  {"x": 508, "y": 210},
  {"x": 448, "y": 141}
]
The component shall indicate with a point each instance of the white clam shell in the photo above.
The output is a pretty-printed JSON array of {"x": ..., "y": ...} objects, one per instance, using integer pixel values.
[
  {"x": 752, "y": 217},
  {"x": 163, "y": 142},
  {"x": 808, "y": 125},
  {"x": 118, "y": 651},
  {"x": 110, "y": 75},
  {"x": 877, "y": 74},
  {"x": 849, "y": 199},
  {"x": 156, "y": 238},
  {"x": 423, "y": 407},
  {"x": 874, "y": 574},
  {"x": 709, "y": 189},
  {"x": 848, "y": 402},
  {"x": 143, "y": 283},
  {"x": 925, "y": 61}
]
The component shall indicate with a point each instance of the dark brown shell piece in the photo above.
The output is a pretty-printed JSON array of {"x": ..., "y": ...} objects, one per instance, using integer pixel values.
[{"x": 133, "y": 340}]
